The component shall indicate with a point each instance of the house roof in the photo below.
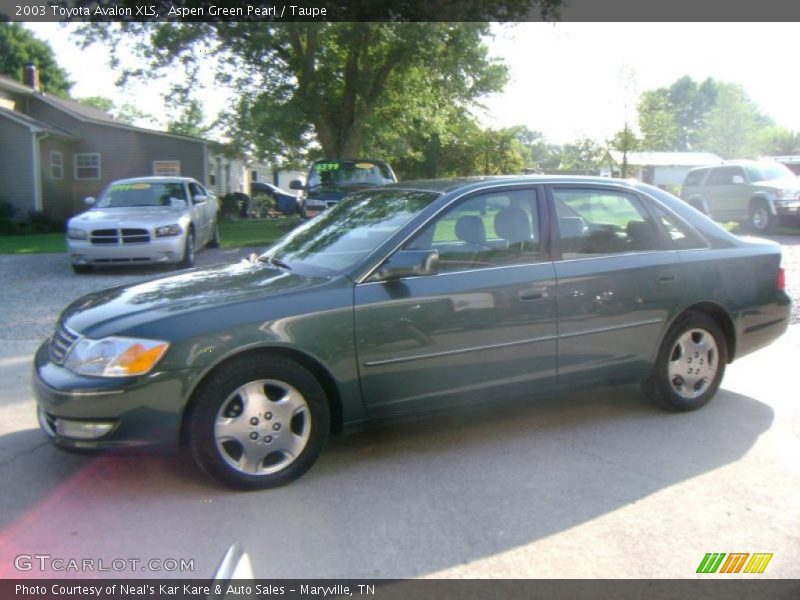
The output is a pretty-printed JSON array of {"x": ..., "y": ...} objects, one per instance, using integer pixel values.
[
  {"x": 35, "y": 125},
  {"x": 82, "y": 112},
  {"x": 668, "y": 159}
]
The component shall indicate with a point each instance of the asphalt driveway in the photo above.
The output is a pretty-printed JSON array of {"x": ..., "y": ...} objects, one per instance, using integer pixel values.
[{"x": 599, "y": 484}]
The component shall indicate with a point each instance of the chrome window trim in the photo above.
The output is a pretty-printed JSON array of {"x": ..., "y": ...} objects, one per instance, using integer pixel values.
[
  {"x": 447, "y": 273},
  {"x": 611, "y": 328}
]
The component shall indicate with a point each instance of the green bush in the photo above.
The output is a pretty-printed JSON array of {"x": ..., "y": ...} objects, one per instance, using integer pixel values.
[
  {"x": 231, "y": 205},
  {"x": 7, "y": 224},
  {"x": 42, "y": 222},
  {"x": 261, "y": 205}
]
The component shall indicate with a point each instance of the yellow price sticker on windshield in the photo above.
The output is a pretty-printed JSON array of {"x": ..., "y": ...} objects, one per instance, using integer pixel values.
[{"x": 364, "y": 165}]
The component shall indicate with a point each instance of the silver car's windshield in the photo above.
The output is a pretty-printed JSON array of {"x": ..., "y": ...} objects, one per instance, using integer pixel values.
[
  {"x": 344, "y": 235},
  {"x": 143, "y": 194}
]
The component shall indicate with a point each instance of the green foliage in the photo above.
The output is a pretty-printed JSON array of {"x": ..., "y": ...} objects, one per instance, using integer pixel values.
[
  {"x": 331, "y": 84},
  {"x": 779, "y": 141},
  {"x": 583, "y": 155},
  {"x": 190, "y": 121},
  {"x": 18, "y": 47},
  {"x": 7, "y": 212},
  {"x": 231, "y": 204},
  {"x": 98, "y": 102},
  {"x": 734, "y": 124}
]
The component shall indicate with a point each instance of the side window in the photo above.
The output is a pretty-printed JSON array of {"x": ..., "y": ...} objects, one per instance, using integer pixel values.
[
  {"x": 484, "y": 231},
  {"x": 683, "y": 237},
  {"x": 196, "y": 190},
  {"x": 723, "y": 176},
  {"x": 694, "y": 177},
  {"x": 598, "y": 222}
]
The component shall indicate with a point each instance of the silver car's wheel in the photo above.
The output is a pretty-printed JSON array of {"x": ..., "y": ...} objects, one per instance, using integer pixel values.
[
  {"x": 259, "y": 421},
  {"x": 188, "y": 250},
  {"x": 693, "y": 363},
  {"x": 262, "y": 427}
]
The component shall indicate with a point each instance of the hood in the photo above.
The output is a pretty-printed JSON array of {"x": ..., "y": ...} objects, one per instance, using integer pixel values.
[
  {"x": 112, "y": 217},
  {"x": 116, "y": 309},
  {"x": 784, "y": 183}
]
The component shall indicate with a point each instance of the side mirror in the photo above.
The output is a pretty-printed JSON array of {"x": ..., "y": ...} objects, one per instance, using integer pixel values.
[
  {"x": 296, "y": 184},
  {"x": 199, "y": 199},
  {"x": 409, "y": 263},
  {"x": 89, "y": 200},
  {"x": 737, "y": 179}
]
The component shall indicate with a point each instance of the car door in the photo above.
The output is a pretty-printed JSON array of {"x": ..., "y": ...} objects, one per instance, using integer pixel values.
[
  {"x": 728, "y": 193},
  {"x": 483, "y": 324},
  {"x": 619, "y": 280},
  {"x": 200, "y": 206}
]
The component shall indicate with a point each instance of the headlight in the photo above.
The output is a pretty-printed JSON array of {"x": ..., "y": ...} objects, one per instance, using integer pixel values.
[
  {"x": 115, "y": 356},
  {"x": 168, "y": 230},
  {"x": 76, "y": 234}
]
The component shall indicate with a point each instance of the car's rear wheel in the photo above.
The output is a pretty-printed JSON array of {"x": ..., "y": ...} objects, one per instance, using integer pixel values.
[
  {"x": 259, "y": 423},
  {"x": 82, "y": 269},
  {"x": 690, "y": 365},
  {"x": 761, "y": 218},
  {"x": 188, "y": 251}
]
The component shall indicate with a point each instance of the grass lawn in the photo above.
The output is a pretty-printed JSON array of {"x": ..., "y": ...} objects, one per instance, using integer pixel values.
[
  {"x": 234, "y": 234},
  {"x": 255, "y": 232},
  {"x": 39, "y": 243}
]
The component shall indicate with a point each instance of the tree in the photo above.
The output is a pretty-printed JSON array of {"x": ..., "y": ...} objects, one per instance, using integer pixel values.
[
  {"x": 190, "y": 122},
  {"x": 98, "y": 102},
  {"x": 583, "y": 155},
  {"x": 672, "y": 118},
  {"x": 734, "y": 124},
  {"x": 19, "y": 47},
  {"x": 779, "y": 141},
  {"x": 329, "y": 83}
]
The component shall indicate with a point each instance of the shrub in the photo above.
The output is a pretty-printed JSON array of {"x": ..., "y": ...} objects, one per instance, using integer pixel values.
[
  {"x": 42, "y": 222},
  {"x": 261, "y": 205},
  {"x": 233, "y": 205},
  {"x": 7, "y": 224}
]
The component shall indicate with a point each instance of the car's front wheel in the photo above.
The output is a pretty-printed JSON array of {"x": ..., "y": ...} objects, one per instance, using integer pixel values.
[
  {"x": 761, "y": 218},
  {"x": 690, "y": 365},
  {"x": 259, "y": 423}
]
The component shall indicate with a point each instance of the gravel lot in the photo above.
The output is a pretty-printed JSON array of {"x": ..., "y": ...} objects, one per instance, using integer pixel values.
[{"x": 37, "y": 287}]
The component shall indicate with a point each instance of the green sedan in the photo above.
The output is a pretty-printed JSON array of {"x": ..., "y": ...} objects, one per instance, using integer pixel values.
[{"x": 411, "y": 297}]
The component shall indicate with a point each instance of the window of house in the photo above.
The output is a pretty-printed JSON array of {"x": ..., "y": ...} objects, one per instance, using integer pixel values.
[
  {"x": 87, "y": 166},
  {"x": 166, "y": 168},
  {"x": 598, "y": 221},
  {"x": 253, "y": 176},
  {"x": 56, "y": 165},
  {"x": 212, "y": 179},
  {"x": 495, "y": 229}
]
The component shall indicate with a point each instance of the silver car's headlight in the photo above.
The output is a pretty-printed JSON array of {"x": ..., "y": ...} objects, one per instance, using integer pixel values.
[
  {"x": 168, "y": 230},
  {"x": 115, "y": 356},
  {"x": 76, "y": 234}
]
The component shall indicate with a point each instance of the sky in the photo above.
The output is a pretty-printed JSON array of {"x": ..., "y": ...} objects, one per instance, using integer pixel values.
[{"x": 567, "y": 80}]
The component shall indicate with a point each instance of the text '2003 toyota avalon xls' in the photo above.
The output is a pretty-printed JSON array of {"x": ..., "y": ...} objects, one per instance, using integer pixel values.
[{"x": 407, "y": 298}]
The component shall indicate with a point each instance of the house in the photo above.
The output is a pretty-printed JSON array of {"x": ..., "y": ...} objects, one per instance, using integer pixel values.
[
  {"x": 54, "y": 152},
  {"x": 662, "y": 169},
  {"x": 228, "y": 174}
]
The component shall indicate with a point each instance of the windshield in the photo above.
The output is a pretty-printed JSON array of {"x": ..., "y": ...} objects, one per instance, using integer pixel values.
[
  {"x": 143, "y": 194},
  {"x": 348, "y": 172},
  {"x": 767, "y": 171},
  {"x": 344, "y": 235}
]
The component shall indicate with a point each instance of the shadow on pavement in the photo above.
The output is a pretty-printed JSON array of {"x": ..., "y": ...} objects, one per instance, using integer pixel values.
[{"x": 397, "y": 500}]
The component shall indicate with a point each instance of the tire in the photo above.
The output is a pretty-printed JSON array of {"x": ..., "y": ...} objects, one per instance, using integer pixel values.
[
  {"x": 214, "y": 242},
  {"x": 694, "y": 343},
  {"x": 259, "y": 423},
  {"x": 188, "y": 252},
  {"x": 82, "y": 269},
  {"x": 761, "y": 219}
]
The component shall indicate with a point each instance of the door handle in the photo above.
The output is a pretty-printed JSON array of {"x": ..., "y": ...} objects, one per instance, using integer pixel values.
[
  {"x": 533, "y": 293},
  {"x": 667, "y": 277}
]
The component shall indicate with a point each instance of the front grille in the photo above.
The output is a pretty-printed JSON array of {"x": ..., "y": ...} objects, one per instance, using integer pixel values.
[
  {"x": 61, "y": 343},
  {"x": 120, "y": 236}
]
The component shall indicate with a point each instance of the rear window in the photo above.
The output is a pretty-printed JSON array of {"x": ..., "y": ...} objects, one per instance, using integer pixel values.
[{"x": 349, "y": 172}]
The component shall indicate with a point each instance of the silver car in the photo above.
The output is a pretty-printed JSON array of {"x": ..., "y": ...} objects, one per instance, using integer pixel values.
[{"x": 144, "y": 220}]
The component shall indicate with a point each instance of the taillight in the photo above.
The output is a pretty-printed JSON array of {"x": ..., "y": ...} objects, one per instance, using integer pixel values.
[{"x": 781, "y": 278}]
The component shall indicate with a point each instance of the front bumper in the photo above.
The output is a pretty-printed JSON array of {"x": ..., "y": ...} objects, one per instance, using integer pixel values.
[
  {"x": 144, "y": 412},
  {"x": 158, "y": 250},
  {"x": 788, "y": 208}
]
